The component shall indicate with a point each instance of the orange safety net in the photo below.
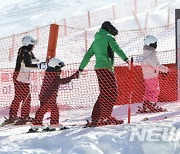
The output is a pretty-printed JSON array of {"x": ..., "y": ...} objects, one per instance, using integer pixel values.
[{"x": 95, "y": 93}]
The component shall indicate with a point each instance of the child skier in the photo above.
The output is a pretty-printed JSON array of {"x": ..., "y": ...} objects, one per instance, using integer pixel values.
[
  {"x": 49, "y": 93},
  {"x": 151, "y": 68}
]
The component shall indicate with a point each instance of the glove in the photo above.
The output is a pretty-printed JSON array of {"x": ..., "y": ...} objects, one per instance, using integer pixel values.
[
  {"x": 75, "y": 76},
  {"x": 164, "y": 73},
  {"x": 127, "y": 61},
  {"x": 78, "y": 73},
  {"x": 42, "y": 65}
]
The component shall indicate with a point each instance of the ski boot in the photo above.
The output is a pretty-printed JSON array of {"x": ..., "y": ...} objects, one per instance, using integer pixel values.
[
  {"x": 113, "y": 121},
  {"x": 10, "y": 120},
  {"x": 142, "y": 109},
  {"x": 22, "y": 121},
  {"x": 153, "y": 108}
]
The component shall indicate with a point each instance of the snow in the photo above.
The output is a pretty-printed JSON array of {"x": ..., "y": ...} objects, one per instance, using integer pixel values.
[
  {"x": 157, "y": 135},
  {"x": 141, "y": 137}
]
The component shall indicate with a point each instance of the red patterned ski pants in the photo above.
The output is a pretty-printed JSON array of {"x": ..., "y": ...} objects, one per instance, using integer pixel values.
[
  {"x": 44, "y": 107},
  {"x": 108, "y": 95},
  {"x": 22, "y": 94}
]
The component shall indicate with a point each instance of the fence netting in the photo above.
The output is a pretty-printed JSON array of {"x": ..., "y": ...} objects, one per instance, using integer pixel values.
[{"x": 90, "y": 95}]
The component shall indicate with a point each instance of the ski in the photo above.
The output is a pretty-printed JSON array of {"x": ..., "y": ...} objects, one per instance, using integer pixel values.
[
  {"x": 47, "y": 129},
  {"x": 154, "y": 119},
  {"x": 7, "y": 124}
]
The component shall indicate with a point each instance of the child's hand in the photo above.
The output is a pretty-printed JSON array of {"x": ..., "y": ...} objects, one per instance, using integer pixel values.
[{"x": 75, "y": 75}]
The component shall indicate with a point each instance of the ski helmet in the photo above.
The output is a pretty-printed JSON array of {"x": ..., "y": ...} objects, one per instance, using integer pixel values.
[
  {"x": 28, "y": 40},
  {"x": 55, "y": 62},
  {"x": 150, "y": 39},
  {"x": 110, "y": 28}
]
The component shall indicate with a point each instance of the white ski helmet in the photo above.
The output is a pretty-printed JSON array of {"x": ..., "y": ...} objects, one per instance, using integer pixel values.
[
  {"x": 150, "y": 39},
  {"x": 27, "y": 40},
  {"x": 53, "y": 62}
]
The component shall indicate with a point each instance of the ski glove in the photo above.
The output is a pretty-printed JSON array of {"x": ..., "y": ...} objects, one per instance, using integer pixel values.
[
  {"x": 75, "y": 76},
  {"x": 127, "y": 61},
  {"x": 42, "y": 65},
  {"x": 78, "y": 73}
]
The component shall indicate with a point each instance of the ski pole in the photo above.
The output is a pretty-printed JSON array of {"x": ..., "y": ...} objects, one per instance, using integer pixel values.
[{"x": 130, "y": 89}]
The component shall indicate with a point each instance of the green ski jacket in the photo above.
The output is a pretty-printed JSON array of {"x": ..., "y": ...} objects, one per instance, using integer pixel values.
[{"x": 103, "y": 47}]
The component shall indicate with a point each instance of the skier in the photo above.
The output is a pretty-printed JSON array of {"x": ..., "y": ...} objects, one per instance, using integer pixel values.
[
  {"x": 49, "y": 93},
  {"x": 25, "y": 62},
  {"x": 151, "y": 68},
  {"x": 103, "y": 47}
]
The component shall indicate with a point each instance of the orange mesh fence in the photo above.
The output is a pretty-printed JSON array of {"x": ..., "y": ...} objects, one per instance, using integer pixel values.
[{"x": 95, "y": 93}]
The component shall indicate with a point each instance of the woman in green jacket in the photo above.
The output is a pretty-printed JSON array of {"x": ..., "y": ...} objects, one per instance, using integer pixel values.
[{"x": 103, "y": 47}]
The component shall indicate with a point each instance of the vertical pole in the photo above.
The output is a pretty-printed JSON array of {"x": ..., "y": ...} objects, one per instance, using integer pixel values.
[
  {"x": 168, "y": 19},
  {"x": 53, "y": 37},
  {"x": 11, "y": 50},
  {"x": 137, "y": 21},
  {"x": 177, "y": 28},
  {"x": 89, "y": 20},
  {"x": 113, "y": 11},
  {"x": 135, "y": 6},
  {"x": 65, "y": 27},
  {"x": 156, "y": 3},
  {"x": 146, "y": 22},
  {"x": 37, "y": 33},
  {"x": 130, "y": 89},
  {"x": 85, "y": 38}
]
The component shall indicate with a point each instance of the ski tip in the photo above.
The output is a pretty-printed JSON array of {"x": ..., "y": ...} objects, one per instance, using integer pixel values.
[{"x": 145, "y": 119}]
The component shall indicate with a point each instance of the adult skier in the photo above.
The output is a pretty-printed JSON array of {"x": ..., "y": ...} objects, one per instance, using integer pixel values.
[
  {"x": 103, "y": 47},
  {"x": 25, "y": 62}
]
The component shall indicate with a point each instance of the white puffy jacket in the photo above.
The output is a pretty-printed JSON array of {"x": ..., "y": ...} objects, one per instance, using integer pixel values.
[
  {"x": 150, "y": 64},
  {"x": 25, "y": 72}
]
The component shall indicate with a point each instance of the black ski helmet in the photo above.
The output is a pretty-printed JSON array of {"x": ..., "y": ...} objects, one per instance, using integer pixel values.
[{"x": 109, "y": 27}]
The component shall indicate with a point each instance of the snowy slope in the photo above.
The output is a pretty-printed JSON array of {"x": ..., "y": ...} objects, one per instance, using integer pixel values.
[
  {"x": 139, "y": 137},
  {"x": 18, "y": 16}
]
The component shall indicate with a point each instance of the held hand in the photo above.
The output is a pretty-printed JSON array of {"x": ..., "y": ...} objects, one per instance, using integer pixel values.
[
  {"x": 127, "y": 61},
  {"x": 77, "y": 74},
  {"x": 42, "y": 65},
  {"x": 74, "y": 76},
  {"x": 164, "y": 74},
  {"x": 164, "y": 71}
]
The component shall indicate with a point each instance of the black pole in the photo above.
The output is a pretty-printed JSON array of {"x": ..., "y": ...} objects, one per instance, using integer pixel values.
[{"x": 177, "y": 16}]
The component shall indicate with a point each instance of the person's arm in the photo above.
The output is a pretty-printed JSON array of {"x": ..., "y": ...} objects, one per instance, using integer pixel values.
[
  {"x": 65, "y": 80},
  {"x": 115, "y": 47},
  {"x": 28, "y": 60},
  {"x": 86, "y": 58},
  {"x": 152, "y": 61},
  {"x": 161, "y": 68},
  {"x": 32, "y": 55},
  {"x": 68, "y": 79}
]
